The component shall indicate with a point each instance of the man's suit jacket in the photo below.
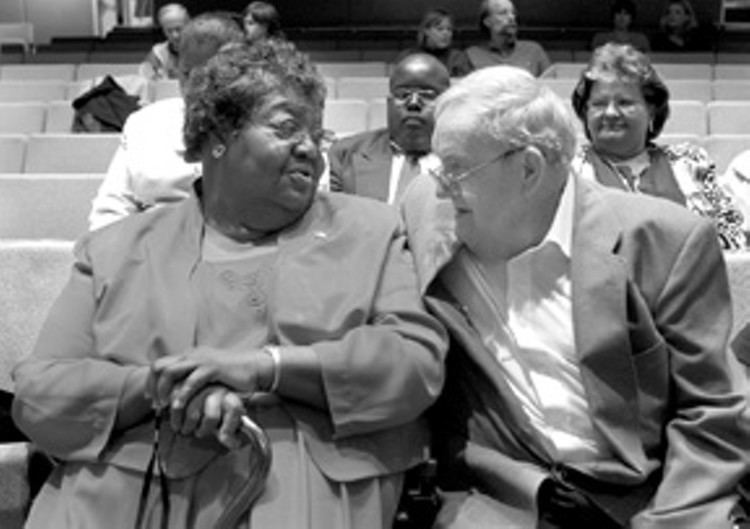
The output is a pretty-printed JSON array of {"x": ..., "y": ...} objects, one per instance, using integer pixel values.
[
  {"x": 361, "y": 164},
  {"x": 651, "y": 316}
]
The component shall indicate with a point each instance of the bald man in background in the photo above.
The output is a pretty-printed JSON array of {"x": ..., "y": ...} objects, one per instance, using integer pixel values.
[
  {"x": 381, "y": 163},
  {"x": 162, "y": 61}
]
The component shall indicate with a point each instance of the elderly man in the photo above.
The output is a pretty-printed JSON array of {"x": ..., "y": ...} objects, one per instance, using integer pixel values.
[
  {"x": 589, "y": 379},
  {"x": 497, "y": 23},
  {"x": 148, "y": 168},
  {"x": 161, "y": 61},
  {"x": 381, "y": 163}
]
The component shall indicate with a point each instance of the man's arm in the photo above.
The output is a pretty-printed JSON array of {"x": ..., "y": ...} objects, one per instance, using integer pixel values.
[{"x": 707, "y": 430}]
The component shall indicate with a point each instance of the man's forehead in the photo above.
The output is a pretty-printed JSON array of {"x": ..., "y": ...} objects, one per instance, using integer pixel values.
[
  {"x": 500, "y": 5},
  {"x": 420, "y": 73}
]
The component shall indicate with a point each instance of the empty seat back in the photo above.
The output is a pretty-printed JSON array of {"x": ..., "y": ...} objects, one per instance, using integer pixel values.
[
  {"x": 70, "y": 153},
  {"x": 37, "y": 72},
  {"x": 12, "y": 152},
  {"x": 362, "y": 87},
  {"x": 46, "y": 206},
  {"x": 21, "y": 118},
  {"x": 32, "y": 274}
]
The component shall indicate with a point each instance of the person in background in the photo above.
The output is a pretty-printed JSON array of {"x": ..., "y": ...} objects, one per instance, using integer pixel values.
[
  {"x": 498, "y": 24},
  {"x": 163, "y": 59},
  {"x": 435, "y": 37},
  {"x": 623, "y": 105},
  {"x": 623, "y": 16},
  {"x": 219, "y": 311},
  {"x": 679, "y": 29},
  {"x": 382, "y": 163},
  {"x": 148, "y": 167},
  {"x": 261, "y": 20},
  {"x": 588, "y": 380}
]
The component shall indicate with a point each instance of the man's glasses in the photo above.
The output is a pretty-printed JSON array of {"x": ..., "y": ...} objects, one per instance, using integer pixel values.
[
  {"x": 450, "y": 182},
  {"x": 406, "y": 96}
]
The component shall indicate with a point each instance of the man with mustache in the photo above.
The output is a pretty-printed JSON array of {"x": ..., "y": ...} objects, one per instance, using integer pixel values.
[
  {"x": 498, "y": 23},
  {"x": 381, "y": 163}
]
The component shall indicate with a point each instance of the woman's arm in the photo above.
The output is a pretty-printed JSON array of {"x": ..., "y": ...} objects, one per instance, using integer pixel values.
[{"x": 69, "y": 400}]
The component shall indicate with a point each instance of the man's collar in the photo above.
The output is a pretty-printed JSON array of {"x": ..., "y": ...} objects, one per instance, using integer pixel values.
[{"x": 560, "y": 231}]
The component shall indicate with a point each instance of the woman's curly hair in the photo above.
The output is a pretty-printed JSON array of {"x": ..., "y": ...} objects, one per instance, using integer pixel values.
[
  {"x": 624, "y": 62},
  {"x": 222, "y": 96}
]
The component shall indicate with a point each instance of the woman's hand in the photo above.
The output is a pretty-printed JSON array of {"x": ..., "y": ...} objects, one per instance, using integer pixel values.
[
  {"x": 175, "y": 380},
  {"x": 214, "y": 410}
]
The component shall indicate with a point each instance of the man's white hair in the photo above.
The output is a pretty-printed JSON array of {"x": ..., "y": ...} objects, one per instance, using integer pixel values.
[{"x": 510, "y": 105}]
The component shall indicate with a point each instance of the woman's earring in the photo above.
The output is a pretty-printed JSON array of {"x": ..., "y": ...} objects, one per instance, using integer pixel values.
[
  {"x": 218, "y": 151},
  {"x": 651, "y": 127}
]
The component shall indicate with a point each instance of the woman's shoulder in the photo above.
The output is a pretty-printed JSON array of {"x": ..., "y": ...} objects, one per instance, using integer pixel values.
[{"x": 355, "y": 209}]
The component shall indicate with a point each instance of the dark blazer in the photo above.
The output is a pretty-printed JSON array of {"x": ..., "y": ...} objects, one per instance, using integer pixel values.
[
  {"x": 361, "y": 164},
  {"x": 651, "y": 316}
]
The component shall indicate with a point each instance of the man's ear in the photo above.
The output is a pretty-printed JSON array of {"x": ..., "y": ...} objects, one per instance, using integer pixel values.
[{"x": 534, "y": 164}]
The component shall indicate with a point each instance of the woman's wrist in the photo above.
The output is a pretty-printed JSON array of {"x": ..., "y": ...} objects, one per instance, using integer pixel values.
[{"x": 270, "y": 372}]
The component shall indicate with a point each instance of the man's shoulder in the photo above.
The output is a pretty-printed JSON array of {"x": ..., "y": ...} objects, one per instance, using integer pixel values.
[
  {"x": 529, "y": 46},
  {"x": 172, "y": 108},
  {"x": 360, "y": 142}
]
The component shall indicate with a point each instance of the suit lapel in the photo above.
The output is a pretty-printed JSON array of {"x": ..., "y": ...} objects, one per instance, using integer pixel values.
[
  {"x": 599, "y": 282},
  {"x": 372, "y": 169}
]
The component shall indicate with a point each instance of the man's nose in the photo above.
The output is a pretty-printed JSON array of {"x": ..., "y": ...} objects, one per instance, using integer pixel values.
[{"x": 414, "y": 102}]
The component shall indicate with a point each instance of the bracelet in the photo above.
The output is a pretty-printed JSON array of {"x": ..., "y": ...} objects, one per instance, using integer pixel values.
[{"x": 276, "y": 358}]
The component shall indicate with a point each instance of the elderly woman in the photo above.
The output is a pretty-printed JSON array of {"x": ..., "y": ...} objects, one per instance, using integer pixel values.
[
  {"x": 261, "y": 20},
  {"x": 623, "y": 105},
  {"x": 435, "y": 37},
  {"x": 255, "y": 298}
]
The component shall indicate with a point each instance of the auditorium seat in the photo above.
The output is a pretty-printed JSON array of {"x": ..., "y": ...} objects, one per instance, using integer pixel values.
[
  {"x": 77, "y": 88},
  {"x": 722, "y": 148},
  {"x": 70, "y": 153},
  {"x": 46, "y": 206},
  {"x": 37, "y": 72},
  {"x": 12, "y": 152},
  {"x": 345, "y": 116},
  {"x": 563, "y": 87},
  {"x": 564, "y": 70},
  {"x": 331, "y": 91},
  {"x": 60, "y": 116},
  {"x": 728, "y": 117},
  {"x": 686, "y": 117},
  {"x": 16, "y": 91},
  {"x": 671, "y": 71},
  {"x": 93, "y": 70},
  {"x": 377, "y": 113},
  {"x": 32, "y": 274},
  {"x": 732, "y": 71},
  {"x": 21, "y": 33},
  {"x": 22, "y": 118},
  {"x": 731, "y": 89},
  {"x": 353, "y": 69},
  {"x": 690, "y": 89},
  {"x": 362, "y": 87},
  {"x": 677, "y": 57}
]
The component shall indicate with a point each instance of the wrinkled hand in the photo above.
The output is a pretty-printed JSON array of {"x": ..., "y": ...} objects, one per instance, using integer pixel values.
[
  {"x": 175, "y": 380},
  {"x": 214, "y": 410}
]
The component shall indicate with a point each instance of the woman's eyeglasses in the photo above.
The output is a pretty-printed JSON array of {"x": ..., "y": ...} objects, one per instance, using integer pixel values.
[{"x": 450, "y": 182}]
